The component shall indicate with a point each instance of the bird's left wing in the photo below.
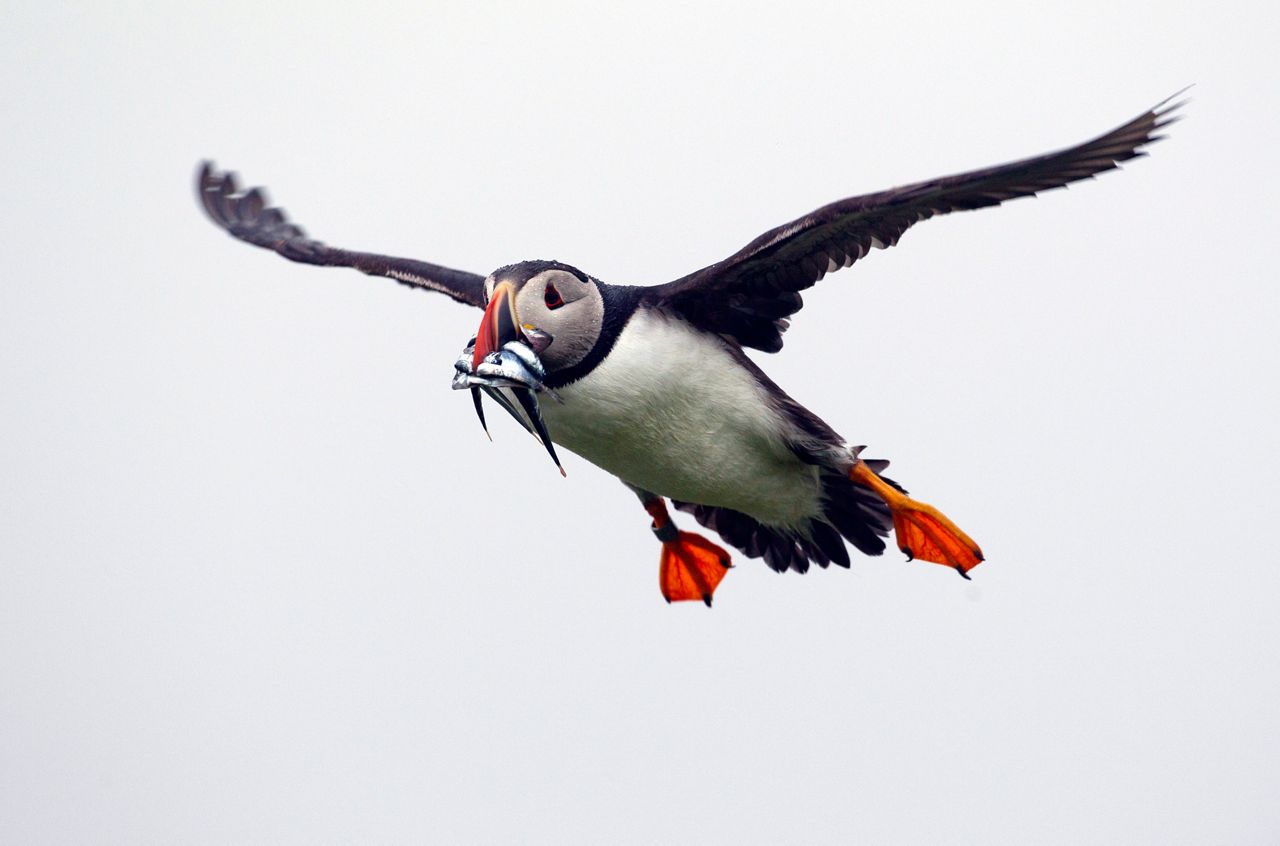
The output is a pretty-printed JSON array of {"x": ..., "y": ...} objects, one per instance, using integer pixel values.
[
  {"x": 750, "y": 295},
  {"x": 247, "y": 216}
]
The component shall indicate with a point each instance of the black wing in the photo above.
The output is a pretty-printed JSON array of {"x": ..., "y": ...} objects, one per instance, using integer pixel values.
[
  {"x": 750, "y": 295},
  {"x": 247, "y": 216}
]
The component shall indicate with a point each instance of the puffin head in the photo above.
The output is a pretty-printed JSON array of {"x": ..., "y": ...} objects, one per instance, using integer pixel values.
[{"x": 555, "y": 309}]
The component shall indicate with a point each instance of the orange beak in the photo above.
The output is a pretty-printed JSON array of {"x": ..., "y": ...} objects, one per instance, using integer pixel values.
[{"x": 499, "y": 325}]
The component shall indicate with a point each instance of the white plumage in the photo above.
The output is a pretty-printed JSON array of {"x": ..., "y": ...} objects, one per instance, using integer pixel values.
[{"x": 671, "y": 411}]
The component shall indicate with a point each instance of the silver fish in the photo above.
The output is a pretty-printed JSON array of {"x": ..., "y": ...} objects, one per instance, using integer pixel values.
[{"x": 513, "y": 372}]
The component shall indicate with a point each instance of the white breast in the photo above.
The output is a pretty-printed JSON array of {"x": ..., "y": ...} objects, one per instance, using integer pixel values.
[{"x": 669, "y": 410}]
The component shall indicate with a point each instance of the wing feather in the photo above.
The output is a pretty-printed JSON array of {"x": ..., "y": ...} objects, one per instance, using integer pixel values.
[
  {"x": 750, "y": 295},
  {"x": 248, "y": 216}
]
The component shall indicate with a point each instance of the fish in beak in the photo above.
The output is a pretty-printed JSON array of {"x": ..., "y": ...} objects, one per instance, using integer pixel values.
[{"x": 500, "y": 326}]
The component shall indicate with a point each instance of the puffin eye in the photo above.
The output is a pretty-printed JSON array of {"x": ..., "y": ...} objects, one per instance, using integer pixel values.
[{"x": 552, "y": 297}]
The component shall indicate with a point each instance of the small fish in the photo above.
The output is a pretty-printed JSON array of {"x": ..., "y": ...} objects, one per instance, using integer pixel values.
[
  {"x": 513, "y": 371},
  {"x": 529, "y": 402},
  {"x": 475, "y": 398},
  {"x": 514, "y": 365}
]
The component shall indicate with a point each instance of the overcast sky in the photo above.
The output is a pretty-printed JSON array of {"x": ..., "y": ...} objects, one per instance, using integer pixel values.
[{"x": 264, "y": 580}]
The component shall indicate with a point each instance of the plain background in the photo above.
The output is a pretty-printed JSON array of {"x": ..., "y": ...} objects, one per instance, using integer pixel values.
[{"x": 265, "y": 581}]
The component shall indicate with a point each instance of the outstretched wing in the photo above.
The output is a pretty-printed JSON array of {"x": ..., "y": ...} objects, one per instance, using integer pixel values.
[
  {"x": 750, "y": 295},
  {"x": 246, "y": 215}
]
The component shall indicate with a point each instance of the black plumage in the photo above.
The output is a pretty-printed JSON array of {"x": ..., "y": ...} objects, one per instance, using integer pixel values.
[
  {"x": 750, "y": 295},
  {"x": 247, "y": 216}
]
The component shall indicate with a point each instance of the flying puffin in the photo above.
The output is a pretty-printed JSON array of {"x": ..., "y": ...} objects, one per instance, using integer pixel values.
[{"x": 726, "y": 444}]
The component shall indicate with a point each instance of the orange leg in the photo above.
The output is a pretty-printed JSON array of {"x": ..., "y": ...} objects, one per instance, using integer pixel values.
[
  {"x": 923, "y": 531},
  {"x": 691, "y": 567}
]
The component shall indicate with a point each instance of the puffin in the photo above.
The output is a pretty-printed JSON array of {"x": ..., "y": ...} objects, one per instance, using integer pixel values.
[{"x": 653, "y": 385}]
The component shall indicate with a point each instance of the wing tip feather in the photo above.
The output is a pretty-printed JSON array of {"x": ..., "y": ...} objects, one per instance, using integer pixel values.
[{"x": 1164, "y": 107}]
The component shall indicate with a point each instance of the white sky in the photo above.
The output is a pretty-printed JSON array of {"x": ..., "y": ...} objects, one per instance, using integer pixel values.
[{"x": 265, "y": 581}]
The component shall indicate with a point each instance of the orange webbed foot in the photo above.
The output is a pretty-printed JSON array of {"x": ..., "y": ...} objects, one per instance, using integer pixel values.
[
  {"x": 923, "y": 531},
  {"x": 691, "y": 567}
]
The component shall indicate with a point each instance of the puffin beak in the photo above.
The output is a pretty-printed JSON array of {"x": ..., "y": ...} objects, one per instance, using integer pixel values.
[{"x": 499, "y": 324}]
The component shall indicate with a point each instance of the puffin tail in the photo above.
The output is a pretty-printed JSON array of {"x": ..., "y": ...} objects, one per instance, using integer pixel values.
[{"x": 861, "y": 517}]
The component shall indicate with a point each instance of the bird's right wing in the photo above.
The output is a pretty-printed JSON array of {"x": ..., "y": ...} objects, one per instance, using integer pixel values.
[
  {"x": 246, "y": 215},
  {"x": 750, "y": 295}
]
